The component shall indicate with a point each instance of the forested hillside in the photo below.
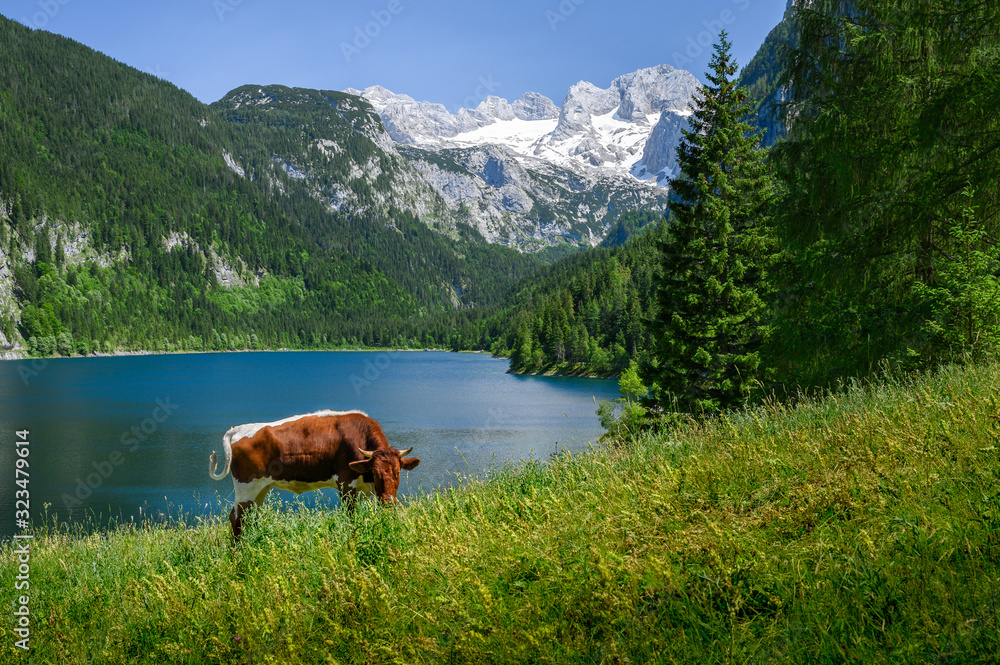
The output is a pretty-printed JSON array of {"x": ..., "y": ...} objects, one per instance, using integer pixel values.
[
  {"x": 762, "y": 77},
  {"x": 891, "y": 174},
  {"x": 885, "y": 213},
  {"x": 133, "y": 216},
  {"x": 587, "y": 313}
]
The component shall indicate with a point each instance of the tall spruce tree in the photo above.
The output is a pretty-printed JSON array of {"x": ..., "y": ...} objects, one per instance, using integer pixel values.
[
  {"x": 892, "y": 121},
  {"x": 715, "y": 259}
]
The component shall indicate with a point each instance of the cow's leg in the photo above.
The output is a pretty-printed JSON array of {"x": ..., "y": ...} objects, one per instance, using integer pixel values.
[
  {"x": 236, "y": 518},
  {"x": 260, "y": 495},
  {"x": 246, "y": 497}
]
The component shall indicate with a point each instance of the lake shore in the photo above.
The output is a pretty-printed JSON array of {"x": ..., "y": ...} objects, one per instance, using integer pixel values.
[
  {"x": 574, "y": 371},
  {"x": 22, "y": 354},
  {"x": 566, "y": 370},
  {"x": 785, "y": 533}
]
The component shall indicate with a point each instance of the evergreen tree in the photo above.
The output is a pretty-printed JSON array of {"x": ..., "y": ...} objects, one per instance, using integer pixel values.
[
  {"x": 965, "y": 296},
  {"x": 891, "y": 113},
  {"x": 715, "y": 258}
]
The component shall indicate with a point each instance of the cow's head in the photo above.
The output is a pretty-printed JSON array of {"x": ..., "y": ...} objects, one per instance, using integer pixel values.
[{"x": 384, "y": 464}]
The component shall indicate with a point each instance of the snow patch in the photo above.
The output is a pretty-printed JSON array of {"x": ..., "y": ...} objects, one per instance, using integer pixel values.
[{"x": 518, "y": 135}]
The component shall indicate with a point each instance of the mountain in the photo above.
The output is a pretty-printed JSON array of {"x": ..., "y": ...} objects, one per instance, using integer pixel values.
[
  {"x": 542, "y": 208},
  {"x": 532, "y": 175},
  {"x": 134, "y": 216},
  {"x": 762, "y": 77},
  {"x": 596, "y": 133},
  {"x": 348, "y": 161},
  {"x": 585, "y": 313}
]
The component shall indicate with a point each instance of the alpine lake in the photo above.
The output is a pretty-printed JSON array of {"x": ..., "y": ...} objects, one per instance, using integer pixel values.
[{"x": 125, "y": 438}]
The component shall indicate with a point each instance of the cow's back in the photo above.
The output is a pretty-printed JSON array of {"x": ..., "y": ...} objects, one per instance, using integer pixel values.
[{"x": 313, "y": 448}]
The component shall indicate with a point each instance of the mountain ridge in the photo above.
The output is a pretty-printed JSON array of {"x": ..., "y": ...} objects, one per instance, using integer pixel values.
[
  {"x": 608, "y": 131},
  {"x": 132, "y": 216}
]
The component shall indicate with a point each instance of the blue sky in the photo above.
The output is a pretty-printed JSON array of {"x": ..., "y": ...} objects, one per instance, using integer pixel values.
[{"x": 449, "y": 52}]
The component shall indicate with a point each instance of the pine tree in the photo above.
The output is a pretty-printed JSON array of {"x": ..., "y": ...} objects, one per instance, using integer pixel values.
[
  {"x": 965, "y": 296},
  {"x": 715, "y": 258},
  {"x": 891, "y": 111}
]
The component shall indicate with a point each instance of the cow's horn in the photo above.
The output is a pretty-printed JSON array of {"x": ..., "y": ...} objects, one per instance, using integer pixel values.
[
  {"x": 404, "y": 453},
  {"x": 368, "y": 453}
]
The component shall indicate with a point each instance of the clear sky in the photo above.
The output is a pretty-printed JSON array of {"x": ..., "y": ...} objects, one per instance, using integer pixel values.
[{"x": 452, "y": 52}]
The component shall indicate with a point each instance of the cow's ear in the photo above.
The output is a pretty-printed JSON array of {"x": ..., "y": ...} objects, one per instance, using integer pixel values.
[
  {"x": 362, "y": 466},
  {"x": 409, "y": 463}
]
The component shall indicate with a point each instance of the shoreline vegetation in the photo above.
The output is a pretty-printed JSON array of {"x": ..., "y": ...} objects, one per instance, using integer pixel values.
[
  {"x": 578, "y": 370},
  {"x": 116, "y": 354},
  {"x": 563, "y": 370},
  {"x": 856, "y": 525}
]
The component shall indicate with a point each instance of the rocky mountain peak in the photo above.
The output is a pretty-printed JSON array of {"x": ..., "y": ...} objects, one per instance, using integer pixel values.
[
  {"x": 533, "y": 106},
  {"x": 610, "y": 130},
  {"x": 496, "y": 108},
  {"x": 654, "y": 90}
]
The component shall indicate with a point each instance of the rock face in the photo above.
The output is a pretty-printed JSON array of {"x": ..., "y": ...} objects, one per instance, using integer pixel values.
[
  {"x": 407, "y": 120},
  {"x": 495, "y": 108},
  {"x": 533, "y": 106},
  {"x": 762, "y": 78},
  {"x": 654, "y": 90},
  {"x": 488, "y": 188},
  {"x": 659, "y": 157},
  {"x": 583, "y": 101},
  {"x": 8, "y": 301},
  {"x": 622, "y": 141},
  {"x": 609, "y": 130}
]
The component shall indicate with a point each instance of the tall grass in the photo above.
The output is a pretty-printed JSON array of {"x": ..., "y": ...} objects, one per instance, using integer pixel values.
[{"x": 862, "y": 525}]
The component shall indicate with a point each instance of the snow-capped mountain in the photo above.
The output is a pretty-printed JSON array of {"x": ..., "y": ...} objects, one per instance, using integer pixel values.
[
  {"x": 628, "y": 130},
  {"x": 338, "y": 148},
  {"x": 428, "y": 124}
]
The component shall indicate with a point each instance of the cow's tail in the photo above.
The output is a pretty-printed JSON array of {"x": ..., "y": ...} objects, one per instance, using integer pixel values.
[{"x": 213, "y": 461}]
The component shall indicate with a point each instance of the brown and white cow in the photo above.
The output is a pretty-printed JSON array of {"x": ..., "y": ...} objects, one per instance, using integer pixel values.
[{"x": 342, "y": 449}]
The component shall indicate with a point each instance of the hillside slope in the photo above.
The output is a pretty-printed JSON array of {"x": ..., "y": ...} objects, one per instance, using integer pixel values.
[
  {"x": 762, "y": 77},
  {"x": 133, "y": 216},
  {"x": 587, "y": 313},
  {"x": 858, "y": 527}
]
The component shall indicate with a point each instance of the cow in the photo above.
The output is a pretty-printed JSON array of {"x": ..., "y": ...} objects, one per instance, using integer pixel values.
[{"x": 342, "y": 449}]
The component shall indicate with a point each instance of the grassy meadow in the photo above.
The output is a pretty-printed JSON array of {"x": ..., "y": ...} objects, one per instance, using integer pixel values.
[{"x": 858, "y": 526}]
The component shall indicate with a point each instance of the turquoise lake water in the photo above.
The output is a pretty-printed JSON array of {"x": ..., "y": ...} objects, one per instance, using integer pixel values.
[{"x": 116, "y": 436}]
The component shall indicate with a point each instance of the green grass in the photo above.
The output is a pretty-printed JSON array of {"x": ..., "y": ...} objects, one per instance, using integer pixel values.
[{"x": 861, "y": 526}]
